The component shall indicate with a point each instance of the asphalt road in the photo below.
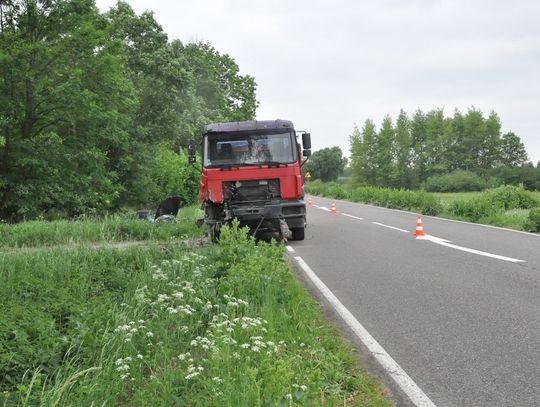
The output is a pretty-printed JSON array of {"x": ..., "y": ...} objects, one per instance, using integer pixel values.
[{"x": 464, "y": 326}]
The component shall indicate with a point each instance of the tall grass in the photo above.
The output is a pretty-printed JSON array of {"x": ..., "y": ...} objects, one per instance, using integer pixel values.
[
  {"x": 222, "y": 325},
  {"x": 90, "y": 230},
  {"x": 419, "y": 201},
  {"x": 507, "y": 206}
]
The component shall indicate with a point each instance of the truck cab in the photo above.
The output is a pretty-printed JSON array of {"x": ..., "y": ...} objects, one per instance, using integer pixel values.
[{"x": 252, "y": 172}]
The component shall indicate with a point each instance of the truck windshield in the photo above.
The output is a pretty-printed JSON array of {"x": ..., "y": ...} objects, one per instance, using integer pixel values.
[{"x": 248, "y": 149}]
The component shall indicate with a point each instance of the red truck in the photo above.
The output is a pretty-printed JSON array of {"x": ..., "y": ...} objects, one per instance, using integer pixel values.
[{"x": 252, "y": 172}]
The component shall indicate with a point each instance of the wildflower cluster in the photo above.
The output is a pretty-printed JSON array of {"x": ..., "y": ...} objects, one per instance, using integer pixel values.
[{"x": 127, "y": 331}]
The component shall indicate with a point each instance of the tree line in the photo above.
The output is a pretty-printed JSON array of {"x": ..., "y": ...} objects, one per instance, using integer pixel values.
[
  {"x": 90, "y": 102},
  {"x": 409, "y": 151}
]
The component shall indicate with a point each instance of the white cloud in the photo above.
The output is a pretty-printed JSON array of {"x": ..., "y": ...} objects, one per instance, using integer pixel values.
[{"x": 326, "y": 65}]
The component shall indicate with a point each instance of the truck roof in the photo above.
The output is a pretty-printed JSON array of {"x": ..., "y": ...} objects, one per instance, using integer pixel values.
[{"x": 249, "y": 125}]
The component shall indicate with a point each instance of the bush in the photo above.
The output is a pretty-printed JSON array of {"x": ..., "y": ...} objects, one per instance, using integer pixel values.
[
  {"x": 457, "y": 181},
  {"x": 421, "y": 201},
  {"x": 474, "y": 209},
  {"x": 534, "y": 220},
  {"x": 492, "y": 202},
  {"x": 511, "y": 197},
  {"x": 529, "y": 177}
]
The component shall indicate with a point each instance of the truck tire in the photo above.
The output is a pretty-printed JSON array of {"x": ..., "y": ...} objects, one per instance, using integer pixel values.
[
  {"x": 215, "y": 230},
  {"x": 298, "y": 233}
]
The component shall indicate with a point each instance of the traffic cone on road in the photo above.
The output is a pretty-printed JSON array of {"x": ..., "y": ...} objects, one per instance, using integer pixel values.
[
  {"x": 310, "y": 201},
  {"x": 419, "y": 227},
  {"x": 333, "y": 208}
]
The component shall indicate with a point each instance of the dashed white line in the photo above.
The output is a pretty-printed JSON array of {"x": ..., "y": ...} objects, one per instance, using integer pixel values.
[
  {"x": 352, "y": 216},
  {"x": 289, "y": 249},
  {"x": 324, "y": 208},
  {"x": 400, "y": 377},
  {"x": 390, "y": 227}
]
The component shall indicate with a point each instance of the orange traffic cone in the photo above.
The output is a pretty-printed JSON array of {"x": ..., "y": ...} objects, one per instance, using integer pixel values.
[
  {"x": 333, "y": 208},
  {"x": 419, "y": 227},
  {"x": 309, "y": 201}
]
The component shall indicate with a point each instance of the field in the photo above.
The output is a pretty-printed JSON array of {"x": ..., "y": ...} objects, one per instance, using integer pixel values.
[{"x": 168, "y": 322}]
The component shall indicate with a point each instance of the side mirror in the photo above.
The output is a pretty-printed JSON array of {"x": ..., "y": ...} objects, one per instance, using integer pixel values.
[
  {"x": 306, "y": 141},
  {"x": 306, "y": 153},
  {"x": 191, "y": 152}
]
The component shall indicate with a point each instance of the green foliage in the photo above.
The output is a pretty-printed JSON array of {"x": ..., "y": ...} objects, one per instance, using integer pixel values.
[
  {"x": 87, "y": 99},
  {"x": 511, "y": 197},
  {"x": 513, "y": 152},
  {"x": 419, "y": 201},
  {"x": 534, "y": 220},
  {"x": 492, "y": 202},
  {"x": 92, "y": 230},
  {"x": 154, "y": 326},
  {"x": 326, "y": 164},
  {"x": 174, "y": 176},
  {"x": 527, "y": 176},
  {"x": 430, "y": 145},
  {"x": 456, "y": 181}
]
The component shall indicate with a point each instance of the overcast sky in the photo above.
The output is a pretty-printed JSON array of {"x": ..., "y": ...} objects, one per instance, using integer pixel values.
[{"x": 327, "y": 65}]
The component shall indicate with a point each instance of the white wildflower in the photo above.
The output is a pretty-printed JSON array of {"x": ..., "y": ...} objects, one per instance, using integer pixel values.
[{"x": 191, "y": 375}]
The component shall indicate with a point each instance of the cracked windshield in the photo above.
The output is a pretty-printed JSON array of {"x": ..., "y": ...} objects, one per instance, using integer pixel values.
[{"x": 249, "y": 149}]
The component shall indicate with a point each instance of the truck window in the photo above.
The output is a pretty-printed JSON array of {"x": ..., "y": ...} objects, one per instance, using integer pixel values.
[{"x": 253, "y": 148}]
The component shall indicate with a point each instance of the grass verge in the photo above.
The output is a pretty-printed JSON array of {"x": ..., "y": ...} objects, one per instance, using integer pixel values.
[
  {"x": 95, "y": 230},
  {"x": 224, "y": 325}
]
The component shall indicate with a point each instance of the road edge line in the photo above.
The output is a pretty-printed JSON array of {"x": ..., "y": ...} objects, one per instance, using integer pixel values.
[{"x": 388, "y": 364}]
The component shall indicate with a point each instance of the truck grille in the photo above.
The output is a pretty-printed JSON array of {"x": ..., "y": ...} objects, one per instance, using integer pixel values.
[{"x": 251, "y": 190}]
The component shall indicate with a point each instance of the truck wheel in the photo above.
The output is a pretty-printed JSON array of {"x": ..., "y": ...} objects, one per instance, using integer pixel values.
[
  {"x": 214, "y": 232},
  {"x": 298, "y": 233}
]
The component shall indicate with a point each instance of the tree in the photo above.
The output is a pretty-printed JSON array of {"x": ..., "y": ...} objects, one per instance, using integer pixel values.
[
  {"x": 65, "y": 106},
  {"x": 434, "y": 143},
  {"x": 403, "y": 151},
  {"x": 385, "y": 154},
  {"x": 327, "y": 164},
  {"x": 358, "y": 154},
  {"x": 489, "y": 152},
  {"x": 512, "y": 150},
  {"x": 418, "y": 142},
  {"x": 364, "y": 152}
]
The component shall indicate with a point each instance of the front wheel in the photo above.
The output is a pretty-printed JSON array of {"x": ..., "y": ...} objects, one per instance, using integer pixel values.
[
  {"x": 298, "y": 233},
  {"x": 215, "y": 230}
]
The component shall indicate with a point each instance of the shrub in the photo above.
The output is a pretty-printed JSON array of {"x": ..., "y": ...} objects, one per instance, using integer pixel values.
[
  {"x": 474, "y": 209},
  {"x": 534, "y": 220},
  {"x": 456, "y": 181},
  {"x": 492, "y": 202},
  {"x": 511, "y": 197},
  {"x": 421, "y": 201}
]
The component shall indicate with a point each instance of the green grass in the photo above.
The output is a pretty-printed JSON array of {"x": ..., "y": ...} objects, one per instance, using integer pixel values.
[
  {"x": 225, "y": 325},
  {"x": 447, "y": 198},
  {"x": 94, "y": 230},
  {"x": 506, "y": 206}
]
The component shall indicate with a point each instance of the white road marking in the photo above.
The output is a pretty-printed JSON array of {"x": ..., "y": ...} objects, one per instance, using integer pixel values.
[
  {"x": 448, "y": 243},
  {"x": 390, "y": 227},
  {"x": 289, "y": 249},
  {"x": 324, "y": 208},
  {"x": 352, "y": 216},
  {"x": 400, "y": 377}
]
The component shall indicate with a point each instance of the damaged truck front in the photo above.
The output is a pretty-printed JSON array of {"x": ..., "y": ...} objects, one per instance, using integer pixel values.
[{"x": 252, "y": 172}]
